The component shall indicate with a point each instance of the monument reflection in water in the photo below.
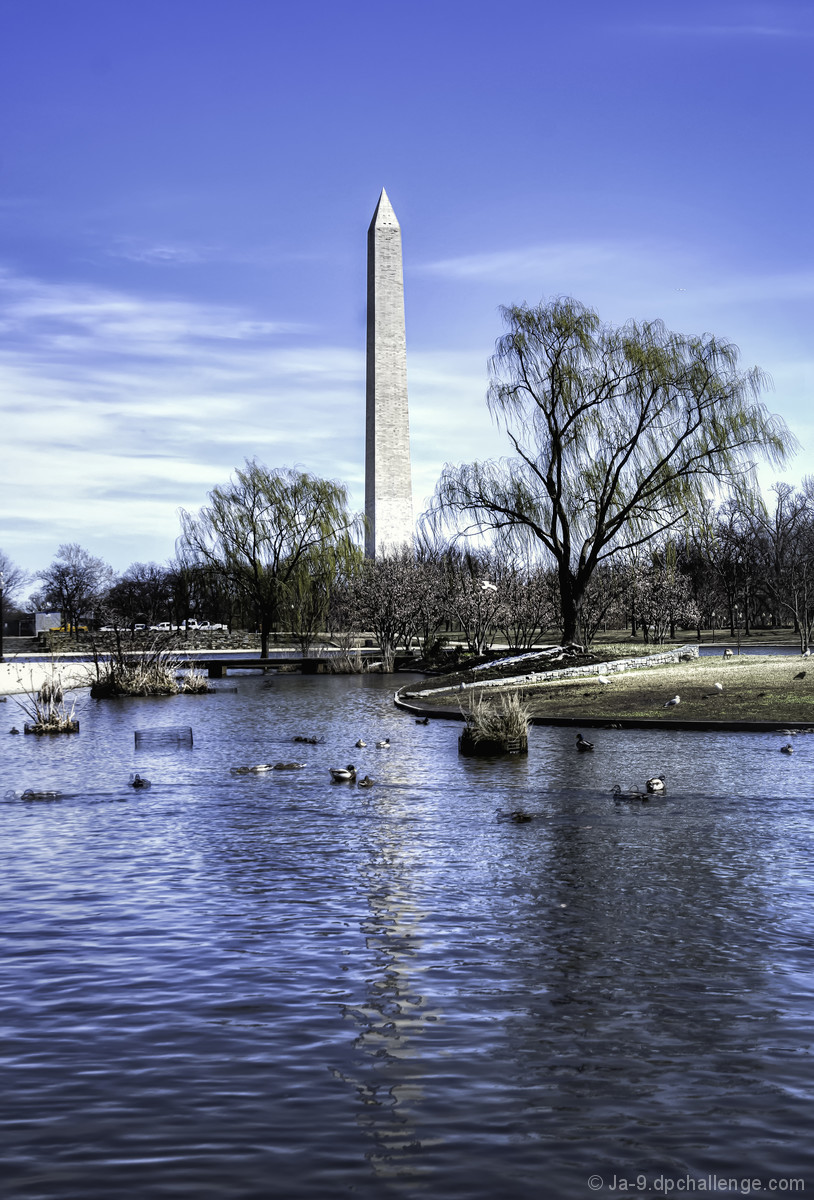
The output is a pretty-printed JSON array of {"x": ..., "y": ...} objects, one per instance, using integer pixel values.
[{"x": 272, "y": 985}]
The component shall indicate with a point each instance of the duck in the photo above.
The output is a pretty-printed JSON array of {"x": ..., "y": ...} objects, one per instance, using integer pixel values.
[
  {"x": 422, "y": 720},
  {"x": 657, "y": 783},
  {"x": 630, "y": 794},
  {"x": 787, "y": 749},
  {"x": 517, "y": 815},
  {"x": 360, "y": 745},
  {"x": 288, "y": 766},
  {"x": 138, "y": 781},
  {"x": 14, "y": 729},
  {"x": 366, "y": 782},
  {"x": 582, "y": 744},
  {"x": 257, "y": 769},
  {"x": 343, "y": 774},
  {"x": 384, "y": 744},
  {"x": 309, "y": 741}
]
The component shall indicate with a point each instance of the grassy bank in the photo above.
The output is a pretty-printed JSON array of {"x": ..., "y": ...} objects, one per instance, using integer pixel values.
[{"x": 754, "y": 688}]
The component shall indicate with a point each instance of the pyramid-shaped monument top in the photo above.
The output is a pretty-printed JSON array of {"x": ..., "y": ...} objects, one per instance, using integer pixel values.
[{"x": 384, "y": 214}]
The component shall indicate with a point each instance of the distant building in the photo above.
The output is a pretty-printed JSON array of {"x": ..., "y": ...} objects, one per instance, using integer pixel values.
[{"x": 43, "y": 621}]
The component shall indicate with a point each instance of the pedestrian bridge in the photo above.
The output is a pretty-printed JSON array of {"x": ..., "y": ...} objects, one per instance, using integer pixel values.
[{"x": 217, "y": 667}]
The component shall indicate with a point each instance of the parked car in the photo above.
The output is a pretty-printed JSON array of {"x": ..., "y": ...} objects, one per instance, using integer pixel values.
[{"x": 164, "y": 627}]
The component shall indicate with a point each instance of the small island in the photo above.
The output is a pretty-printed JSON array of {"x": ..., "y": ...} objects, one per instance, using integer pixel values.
[{"x": 615, "y": 684}]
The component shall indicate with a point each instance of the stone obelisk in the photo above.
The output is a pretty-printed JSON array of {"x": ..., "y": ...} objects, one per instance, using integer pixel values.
[{"x": 388, "y": 485}]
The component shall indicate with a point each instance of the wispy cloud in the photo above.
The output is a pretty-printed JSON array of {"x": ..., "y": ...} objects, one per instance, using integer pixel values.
[
  {"x": 735, "y": 30},
  {"x": 536, "y": 262},
  {"x": 161, "y": 253},
  {"x": 648, "y": 268},
  {"x": 124, "y": 408}
]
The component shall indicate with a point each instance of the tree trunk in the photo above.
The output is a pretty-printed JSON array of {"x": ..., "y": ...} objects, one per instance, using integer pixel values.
[
  {"x": 570, "y": 605},
  {"x": 387, "y": 646}
]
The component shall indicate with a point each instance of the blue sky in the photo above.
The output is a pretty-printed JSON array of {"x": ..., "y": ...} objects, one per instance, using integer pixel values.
[{"x": 185, "y": 190}]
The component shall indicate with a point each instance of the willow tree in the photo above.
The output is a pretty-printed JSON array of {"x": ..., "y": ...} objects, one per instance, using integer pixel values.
[
  {"x": 259, "y": 531},
  {"x": 617, "y": 433}
]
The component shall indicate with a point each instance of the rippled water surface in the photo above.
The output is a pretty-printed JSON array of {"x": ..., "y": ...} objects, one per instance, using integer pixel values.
[{"x": 273, "y": 985}]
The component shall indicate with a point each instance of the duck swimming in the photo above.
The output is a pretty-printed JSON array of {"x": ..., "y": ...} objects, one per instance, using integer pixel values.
[
  {"x": 138, "y": 781},
  {"x": 422, "y": 720},
  {"x": 582, "y": 744},
  {"x": 360, "y": 745},
  {"x": 366, "y": 782},
  {"x": 281, "y": 766},
  {"x": 517, "y": 815},
  {"x": 656, "y": 784},
  {"x": 384, "y": 744},
  {"x": 787, "y": 749},
  {"x": 630, "y": 794},
  {"x": 257, "y": 769},
  {"x": 343, "y": 774}
]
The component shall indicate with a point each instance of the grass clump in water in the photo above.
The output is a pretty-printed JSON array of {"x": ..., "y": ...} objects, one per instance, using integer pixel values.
[
  {"x": 495, "y": 726},
  {"x": 47, "y": 709},
  {"x": 153, "y": 672}
]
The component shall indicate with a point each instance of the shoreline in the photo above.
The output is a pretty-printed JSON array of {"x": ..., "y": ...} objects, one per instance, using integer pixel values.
[
  {"x": 742, "y": 693},
  {"x": 698, "y": 726}
]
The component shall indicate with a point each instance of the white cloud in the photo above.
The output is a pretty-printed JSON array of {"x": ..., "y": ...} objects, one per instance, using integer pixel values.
[{"x": 118, "y": 409}]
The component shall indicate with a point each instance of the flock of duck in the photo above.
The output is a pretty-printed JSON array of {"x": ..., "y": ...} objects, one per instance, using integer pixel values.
[
  {"x": 346, "y": 774},
  {"x": 656, "y": 785}
]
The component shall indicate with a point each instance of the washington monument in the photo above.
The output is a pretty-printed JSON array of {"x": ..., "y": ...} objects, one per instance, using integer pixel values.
[{"x": 388, "y": 486}]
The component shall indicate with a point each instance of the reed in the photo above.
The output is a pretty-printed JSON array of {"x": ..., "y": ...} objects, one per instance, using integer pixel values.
[
  {"x": 194, "y": 683},
  {"x": 152, "y": 672},
  {"x": 496, "y": 725},
  {"x": 47, "y": 709}
]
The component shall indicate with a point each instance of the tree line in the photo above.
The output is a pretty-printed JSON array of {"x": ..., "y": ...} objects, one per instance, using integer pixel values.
[{"x": 628, "y": 499}]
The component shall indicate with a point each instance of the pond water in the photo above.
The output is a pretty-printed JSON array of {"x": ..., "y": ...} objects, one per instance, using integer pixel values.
[{"x": 257, "y": 986}]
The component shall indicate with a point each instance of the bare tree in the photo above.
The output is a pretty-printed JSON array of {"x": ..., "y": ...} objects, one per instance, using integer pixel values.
[
  {"x": 14, "y": 578},
  {"x": 389, "y": 597},
  {"x": 260, "y": 528},
  {"x": 141, "y": 594},
  {"x": 662, "y": 595},
  {"x": 783, "y": 540},
  {"x": 616, "y": 435},
  {"x": 76, "y": 583},
  {"x": 528, "y": 595},
  {"x": 473, "y": 596}
]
